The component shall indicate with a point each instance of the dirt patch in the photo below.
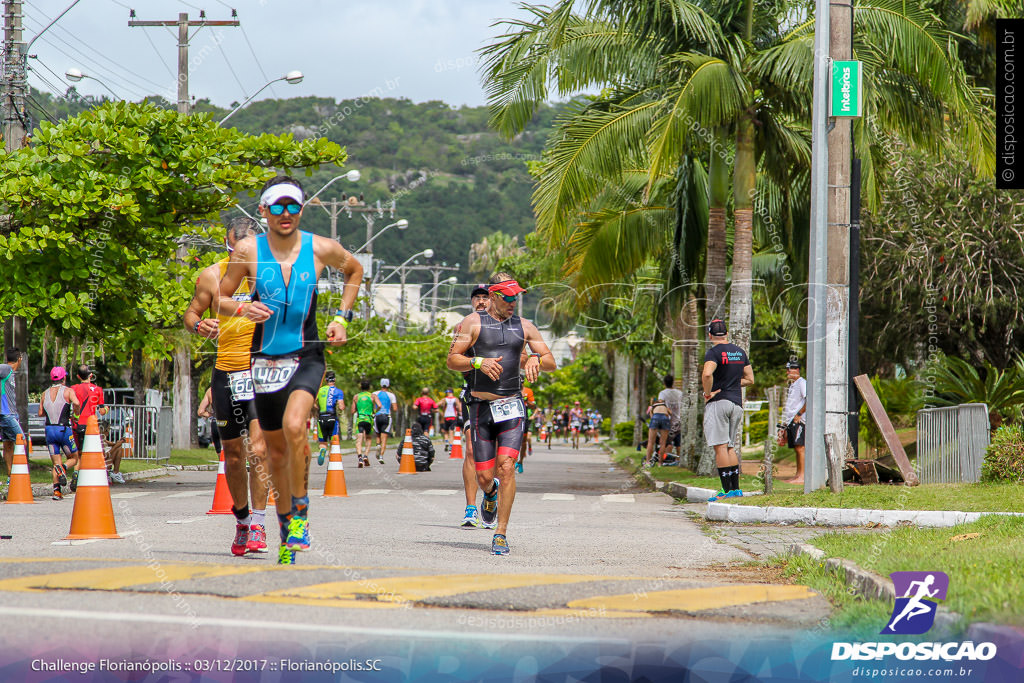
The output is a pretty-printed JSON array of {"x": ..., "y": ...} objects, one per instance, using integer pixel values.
[{"x": 747, "y": 573}]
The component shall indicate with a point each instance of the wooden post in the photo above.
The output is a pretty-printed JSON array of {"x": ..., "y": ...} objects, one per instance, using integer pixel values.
[
  {"x": 834, "y": 462},
  {"x": 885, "y": 426}
]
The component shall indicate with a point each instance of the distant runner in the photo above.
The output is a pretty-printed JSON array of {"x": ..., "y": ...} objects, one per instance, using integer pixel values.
[
  {"x": 450, "y": 407},
  {"x": 382, "y": 419},
  {"x": 330, "y": 401},
  {"x": 364, "y": 405},
  {"x": 425, "y": 407},
  {"x": 56, "y": 406}
]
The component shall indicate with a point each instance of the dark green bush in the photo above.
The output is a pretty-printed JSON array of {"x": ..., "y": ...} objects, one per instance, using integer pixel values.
[
  {"x": 758, "y": 431},
  {"x": 624, "y": 433},
  {"x": 1004, "y": 460}
]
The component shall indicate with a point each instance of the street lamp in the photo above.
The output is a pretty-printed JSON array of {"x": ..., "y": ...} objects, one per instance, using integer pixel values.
[
  {"x": 427, "y": 253},
  {"x": 432, "y": 292},
  {"x": 292, "y": 77},
  {"x": 401, "y": 224},
  {"x": 353, "y": 176},
  {"x": 75, "y": 74}
]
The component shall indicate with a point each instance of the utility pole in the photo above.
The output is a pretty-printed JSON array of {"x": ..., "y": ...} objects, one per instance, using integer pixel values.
[
  {"x": 837, "y": 376},
  {"x": 184, "y": 417},
  {"x": 402, "y": 273},
  {"x": 15, "y": 132}
]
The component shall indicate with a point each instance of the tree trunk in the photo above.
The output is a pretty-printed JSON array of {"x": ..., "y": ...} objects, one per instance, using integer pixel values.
[
  {"x": 138, "y": 383},
  {"x": 717, "y": 249},
  {"x": 692, "y": 362},
  {"x": 640, "y": 389},
  {"x": 182, "y": 399},
  {"x": 620, "y": 388}
]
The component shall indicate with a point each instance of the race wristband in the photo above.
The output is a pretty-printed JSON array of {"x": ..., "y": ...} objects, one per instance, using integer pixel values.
[
  {"x": 238, "y": 311},
  {"x": 196, "y": 328},
  {"x": 341, "y": 320},
  {"x": 534, "y": 355},
  {"x": 347, "y": 315},
  {"x": 477, "y": 362}
]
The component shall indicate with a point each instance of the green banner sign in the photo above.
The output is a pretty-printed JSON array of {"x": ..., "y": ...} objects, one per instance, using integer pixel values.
[{"x": 846, "y": 94}]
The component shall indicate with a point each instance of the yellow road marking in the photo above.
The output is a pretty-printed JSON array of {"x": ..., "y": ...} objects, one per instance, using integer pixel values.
[
  {"x": 694, "y": 599},
  {"x": 403, "y": 589},
  {"x": 114, "y": 578}
]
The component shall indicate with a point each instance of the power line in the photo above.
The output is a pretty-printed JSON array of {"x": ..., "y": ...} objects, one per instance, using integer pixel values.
[
  {"x": 255, "y": 57},
  {"x": 31, "y": 100},
  {"x": 104, "y": 57},
  {"x": 220, "y": 46},
  {"x": 59, "y": 78},
  {"x": 160, "y": 55}
]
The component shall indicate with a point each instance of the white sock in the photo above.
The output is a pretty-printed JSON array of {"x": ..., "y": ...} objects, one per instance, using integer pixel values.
[{"x": 258, "y": 517}]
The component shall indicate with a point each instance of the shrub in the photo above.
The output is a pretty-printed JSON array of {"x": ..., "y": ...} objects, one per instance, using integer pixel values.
[
  {"x": 606, "y": 425},
  {"x": 624, "y": 433},
  {"x": 1004, "y": 459},
  {"x": 758, "y": 431}
]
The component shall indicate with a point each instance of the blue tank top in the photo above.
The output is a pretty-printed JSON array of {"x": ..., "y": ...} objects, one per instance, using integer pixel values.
[
  {"x": 385, "y": 403},
  {"x": 291, "y": 327}
]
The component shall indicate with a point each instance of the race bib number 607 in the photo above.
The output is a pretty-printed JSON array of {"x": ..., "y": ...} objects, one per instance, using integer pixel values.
[{"x": 272, "y": 374}]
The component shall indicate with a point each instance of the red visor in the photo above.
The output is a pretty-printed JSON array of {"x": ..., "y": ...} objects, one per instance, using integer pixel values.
[{"x": 508, "y": 287}]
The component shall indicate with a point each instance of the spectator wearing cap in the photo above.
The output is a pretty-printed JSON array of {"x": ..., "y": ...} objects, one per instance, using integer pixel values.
[
  {"x": 57, "y": 405},
  {"x": 793, "y": 417},
  {"x": 726, "y": 371},
  {"x": 10, "y": 428}
]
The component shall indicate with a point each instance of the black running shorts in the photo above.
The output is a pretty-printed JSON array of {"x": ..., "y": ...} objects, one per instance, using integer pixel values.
[
  {"x": 382, "y": 423},
  {"x": 492, "y": 439},
  {"x": 364, "y": 428},
  {"x": 795, "y": 434},
  {"x": 233, "y": 414},
  {"x": 307, "y": 376}
]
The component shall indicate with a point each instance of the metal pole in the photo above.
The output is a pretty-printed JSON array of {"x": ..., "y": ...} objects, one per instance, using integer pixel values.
[
  {"x": 433, "y": 301},
  {"x": 815, "y": 469},
  {"x": 401, "y": 302},
  {"x": 854, "y": 344}
]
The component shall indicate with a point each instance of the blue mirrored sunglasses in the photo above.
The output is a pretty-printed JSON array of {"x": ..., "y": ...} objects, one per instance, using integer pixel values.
[
  {"x": 509, "y": 299},
  {"x": 278, "y": 209}
]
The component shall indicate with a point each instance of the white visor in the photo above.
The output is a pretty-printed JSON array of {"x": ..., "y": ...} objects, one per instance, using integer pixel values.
[{"x": 275, "y": 193}]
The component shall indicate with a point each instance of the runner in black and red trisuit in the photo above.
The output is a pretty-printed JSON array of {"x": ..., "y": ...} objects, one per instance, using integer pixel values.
[{"x": 490, "y": 343}]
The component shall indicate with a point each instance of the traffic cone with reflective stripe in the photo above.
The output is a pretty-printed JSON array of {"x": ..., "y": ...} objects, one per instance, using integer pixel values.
[
  {"x": 456, "y": 445},
  {"x": 335, "y": 485},
  {"x": 408, "y": 463},
  {"x": 20, "y": 489},
  {"x": 93, "y": 516},
  {"x": 222, "y": 501}
]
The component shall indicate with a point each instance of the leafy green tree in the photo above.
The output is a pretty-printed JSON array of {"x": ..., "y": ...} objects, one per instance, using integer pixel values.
[{"x": 98, "y": 205}]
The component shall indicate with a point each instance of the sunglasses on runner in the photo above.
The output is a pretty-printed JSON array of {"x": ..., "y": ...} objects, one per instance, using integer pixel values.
[
  {"x": 278, "y": 209},
  {"x": 508, "y": 299}
]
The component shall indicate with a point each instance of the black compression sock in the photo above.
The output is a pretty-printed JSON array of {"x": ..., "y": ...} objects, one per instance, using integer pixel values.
[
  {"x": 723, "y": 474},
  {"x": 240, "y": 514},
  {"x": 734, "y": 477}
]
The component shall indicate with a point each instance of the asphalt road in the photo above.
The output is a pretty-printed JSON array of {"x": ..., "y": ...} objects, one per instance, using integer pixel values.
[{"x": 595, "y": 562}]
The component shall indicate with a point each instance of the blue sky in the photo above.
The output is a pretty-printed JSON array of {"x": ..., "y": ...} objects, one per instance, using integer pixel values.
[{"x": 418, "y": 49}]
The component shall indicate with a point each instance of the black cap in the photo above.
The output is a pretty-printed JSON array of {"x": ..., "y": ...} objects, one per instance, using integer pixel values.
[
  {"x": 717, "y": 328},
  {"x": 329, "y": 376},
  {"x": 480, "y": 289},
  {"x": 793, "y": 364}
]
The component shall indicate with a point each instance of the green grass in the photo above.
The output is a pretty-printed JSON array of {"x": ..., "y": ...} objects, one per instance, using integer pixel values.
[
  {"x": 630, "y": 458},
  {"x": 985, "y": 497},
  {"x": 985, "y": 583}
]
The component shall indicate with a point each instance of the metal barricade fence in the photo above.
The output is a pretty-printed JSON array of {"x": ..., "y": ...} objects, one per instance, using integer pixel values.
[
  {"x": 141, "y": 432},
  {"x": 951, "y": 443}
]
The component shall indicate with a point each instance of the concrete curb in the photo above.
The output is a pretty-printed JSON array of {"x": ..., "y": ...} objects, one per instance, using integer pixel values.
[
  {"x": 696, "y": 494},
  {"x": 752, "y": 514},
  {"x": 869, "y": 585}
]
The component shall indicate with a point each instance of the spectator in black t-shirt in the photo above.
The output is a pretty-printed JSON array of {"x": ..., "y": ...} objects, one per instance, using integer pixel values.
[{"x": 726, "y": 370}]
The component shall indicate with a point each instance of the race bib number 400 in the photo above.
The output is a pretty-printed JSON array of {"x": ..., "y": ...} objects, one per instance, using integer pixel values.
[
  {"x": 507, "y": 409},
  {"x": 241, "y": 385},
  {"x": 272, "y": 374}
]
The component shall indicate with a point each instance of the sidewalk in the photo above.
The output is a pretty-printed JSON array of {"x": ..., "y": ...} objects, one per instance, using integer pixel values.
[{"x": 770, "y": 530}]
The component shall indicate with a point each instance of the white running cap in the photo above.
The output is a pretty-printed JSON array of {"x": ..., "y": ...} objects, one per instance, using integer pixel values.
[
  {"x": 280, "y": 191},
  {"x": 385, "y": 382}
]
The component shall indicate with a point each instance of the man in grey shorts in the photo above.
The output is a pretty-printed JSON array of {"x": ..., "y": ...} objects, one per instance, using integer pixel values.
[{"x": 726, "y": 370}]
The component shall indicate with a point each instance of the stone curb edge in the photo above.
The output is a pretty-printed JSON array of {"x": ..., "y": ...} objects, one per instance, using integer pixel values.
[
  {"x": 869, "y": 585},
  {"x": 751, "y": 514}
]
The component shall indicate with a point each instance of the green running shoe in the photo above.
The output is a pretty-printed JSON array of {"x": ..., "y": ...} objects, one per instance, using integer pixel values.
[
  {"x": 298, "y": 534},
  {"x": 285, "y": 556}
]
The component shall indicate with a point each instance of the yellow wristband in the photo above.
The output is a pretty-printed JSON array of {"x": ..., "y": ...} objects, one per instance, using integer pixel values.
[
  {"x": 341, "y": 320},
  {"x": 477, "y": 362}
]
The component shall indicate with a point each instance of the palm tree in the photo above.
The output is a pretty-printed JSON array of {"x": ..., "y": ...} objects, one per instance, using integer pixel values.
[{"x": 485, "y": 255}]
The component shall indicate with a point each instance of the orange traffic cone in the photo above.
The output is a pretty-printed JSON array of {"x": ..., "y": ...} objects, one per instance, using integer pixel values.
[
  {"x": 222, "y": 501},
  {"x": 20, "y": 489},
  {"x": 456, "y": 445},
  {"x": 335, "y": 485},
  {"x": 408, "y": 464},
  {"x": 271, "y": 496},
  {"x": 93, "y": 516}
]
